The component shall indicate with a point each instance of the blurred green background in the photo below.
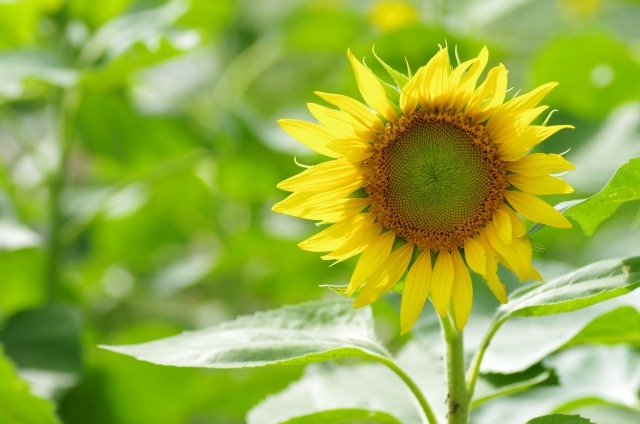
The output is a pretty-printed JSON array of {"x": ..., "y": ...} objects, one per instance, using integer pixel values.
[{"x": 140, "y": 154}]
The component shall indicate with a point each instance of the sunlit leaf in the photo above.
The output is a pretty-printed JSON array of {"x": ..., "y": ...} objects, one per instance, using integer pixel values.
[
  {"x": 588, "y": 285},
  {"x": 311, "y": 332},
  {"x": 624, "y": 187},
  {"x": 17, "y": 404}
]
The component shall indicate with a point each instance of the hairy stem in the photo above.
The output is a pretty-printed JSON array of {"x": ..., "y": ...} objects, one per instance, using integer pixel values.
[{"x": 458, "y": 397}]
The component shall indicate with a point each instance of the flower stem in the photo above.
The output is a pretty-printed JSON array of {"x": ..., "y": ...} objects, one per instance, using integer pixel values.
[
  {"x": 413, "y": 387},
  {"x": 458, "y": 397}
]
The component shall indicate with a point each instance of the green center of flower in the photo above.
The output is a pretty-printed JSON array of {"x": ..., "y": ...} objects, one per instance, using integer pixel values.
[{"x": 435, "y": 180}]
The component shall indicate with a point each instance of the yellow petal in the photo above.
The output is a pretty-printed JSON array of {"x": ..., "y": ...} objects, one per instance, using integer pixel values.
[
  {"x": 515, "y": 256},
  {"x": 373, "y": 256},
  {"x": 351, "y": 149},
  {"x": 340, "y": 123},
  {"x": 491, "y": 276},
  {"x": 467, "y": 84},
  {"x": 530, "y": 137},
  {"x": 311, "y": 135},
  {"x": 301, "y": 202},
  {"x": 543, "y": 184},
  {"x": 538, "y": 164},
  {"x": 441, "y": 282},
  {"x": 416, "y": 289},
  {"x": 385, "y": 276},
  {"x": 519, "y": 230},
  {"x": 337, "y": 234},
  {"x": 502, "y": 224},
  {"x": 371, "y": 89},
  {"x": 354, "y": 108},
  {"x": 489, "y": 95},
  {"x": 410, "y": 93},
  {"x": 325, "y": 176},
  {"x": 461, "y": 292},
  {"x": 439, "y": 81},
  {"x": 535, "y": 209},
  {"x": 436, "y": 65},
  {"x": 354, "y": 245},
  {"x": 332, "y": 212},
  {"x": 475, "y": 255}
]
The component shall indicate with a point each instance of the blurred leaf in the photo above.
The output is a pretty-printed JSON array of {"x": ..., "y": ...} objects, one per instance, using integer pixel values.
[
  {"x": 609, "y": 414},
  {"x": 19, "y": 20},
  {"x": 622, "y": 325},
  {"x": 588, "y": 285},
  {"x": 133, "y": 41},
  {"x": 344, "y": 416},
  {"x": 45, "y": 345},
  {"x": 322, "y": 30},
  {"x": 17, "y": 404},
  {"x": 327, "y": 386},
  {"x": 560, "y": 419},
  {"x": 311, "y": 332},
  {"x": 14, "y": 236},
  {"x": 560, "y": 207},
  {"x": 24, "y": 73},
  {"x": 624, "y": 187},
  {"x": 595, "y": 72},
  {"x": 95, "y": 13}
]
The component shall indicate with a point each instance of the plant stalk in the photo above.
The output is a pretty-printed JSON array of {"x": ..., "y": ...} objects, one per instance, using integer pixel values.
[{"x": 458, "y": 399}]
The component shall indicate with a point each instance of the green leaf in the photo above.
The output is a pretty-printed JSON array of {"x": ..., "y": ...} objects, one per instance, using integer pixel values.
[
  {"x": 493, "y": 386},
  {"x": 326, "y": 387},
  {"x": 311, "y": 332},
  {"x": 622, "y": 325},
  {"x": 344, "y": 416},
  {"x": 588, "y": 285},
  {"x": 560, "y": 419},
  {"x": 17, "y": 404},
  {"x": 45, "y": 345},
  {"x": 622, "y": 188}
]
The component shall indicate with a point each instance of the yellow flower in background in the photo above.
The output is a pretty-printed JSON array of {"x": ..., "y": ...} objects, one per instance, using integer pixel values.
[
  {"x": 427, "y": 181},
  {"x": 392, "y": 15}
]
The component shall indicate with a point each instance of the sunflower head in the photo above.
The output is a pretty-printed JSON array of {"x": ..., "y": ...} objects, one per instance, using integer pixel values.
[{"x": 427, "y": 183}]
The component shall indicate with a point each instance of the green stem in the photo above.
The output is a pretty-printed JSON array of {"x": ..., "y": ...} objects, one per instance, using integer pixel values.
[
  {"x": 68, "y": 109},
  {"x": 474, "y": 369},
  {"x": 458, "y": 397},
  {"x": 426, "y": 408}
]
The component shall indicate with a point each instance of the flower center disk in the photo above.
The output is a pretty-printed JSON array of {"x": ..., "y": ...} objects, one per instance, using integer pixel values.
[{"x": 435, "y": 179}]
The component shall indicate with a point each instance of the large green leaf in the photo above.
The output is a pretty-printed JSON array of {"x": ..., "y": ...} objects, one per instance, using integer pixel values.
[
  {"x": 17, "y": 404},
  {"x": 586, "y": 286},
  {"x": 345, "y": 416},
  {"x": 622, "y": 188},
  {"x": 311, "y": 332},
  {"x": 326, "y": 387},
  {"x": 560, "y": 419}
]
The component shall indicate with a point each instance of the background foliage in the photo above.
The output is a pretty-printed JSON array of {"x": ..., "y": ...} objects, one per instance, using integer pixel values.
[{"x": 139, "y": 161}]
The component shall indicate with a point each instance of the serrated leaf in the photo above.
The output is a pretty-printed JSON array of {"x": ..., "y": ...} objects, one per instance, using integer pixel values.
[
  {"x": 345, "y": 416},
  {"x": 622, "y": 188},
  {"x": 398, "y": 77},
  {"x": 588, "y": 285},
  {"x": 560, "y": 419},
  {"x": 302, "y": 334},
  {"x": 17, "y": 404}
]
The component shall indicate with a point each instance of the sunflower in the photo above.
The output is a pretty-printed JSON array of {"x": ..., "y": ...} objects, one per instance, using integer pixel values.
[{"x": 427, "y": 183}]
